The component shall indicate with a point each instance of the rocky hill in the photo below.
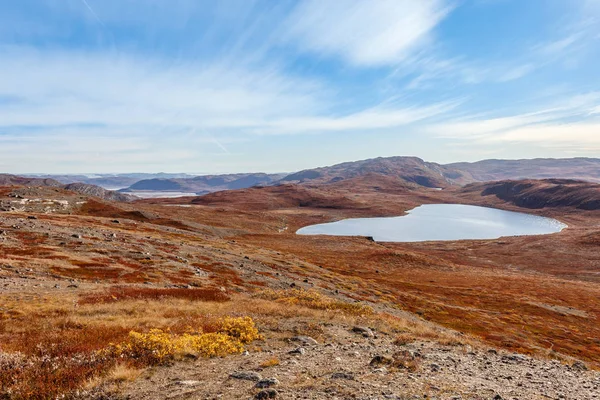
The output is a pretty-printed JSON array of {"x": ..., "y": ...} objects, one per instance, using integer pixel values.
[
  {"x": 82, "y": 188},
  {"x": 409, "y": 169},
  {"x": 13, "y": 180},
  {"x": 97, "y": 191},
  {"x": 587, "y": 169},
  {"x": 537, "y": 194}
]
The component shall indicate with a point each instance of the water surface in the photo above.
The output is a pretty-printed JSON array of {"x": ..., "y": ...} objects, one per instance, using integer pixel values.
[{"x": 441, "y": 222}]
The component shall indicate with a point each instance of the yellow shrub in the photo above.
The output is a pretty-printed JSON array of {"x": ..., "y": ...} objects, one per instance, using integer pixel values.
[
  {"x": 158, "y": 346},
  {"x": 212, "y": 344},
  {"x": 242, "y": 328}
]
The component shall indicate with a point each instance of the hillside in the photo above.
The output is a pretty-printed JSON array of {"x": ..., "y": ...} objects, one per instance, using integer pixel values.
[
  {"x": 535, "y": 194},
  {"x": 587, "y": 169},
  {"x": 409, "y": 169}
]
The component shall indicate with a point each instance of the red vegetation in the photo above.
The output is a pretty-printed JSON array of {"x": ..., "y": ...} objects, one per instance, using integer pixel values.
[{"x": 115, "y": 294}]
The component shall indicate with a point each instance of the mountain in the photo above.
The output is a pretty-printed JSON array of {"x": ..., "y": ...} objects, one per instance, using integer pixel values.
[
  {"x": 82, "y": 188},
  {"x": 206, "y": 183},
  {"x": 13, "y": 180},
  {"x": 408, "y": 169},
  {"x": 537, "y": 194},
  {"x": 587, "y": 169}
]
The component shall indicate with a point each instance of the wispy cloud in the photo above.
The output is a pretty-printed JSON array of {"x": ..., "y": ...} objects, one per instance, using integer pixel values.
[{"x": 367, "y": 33}]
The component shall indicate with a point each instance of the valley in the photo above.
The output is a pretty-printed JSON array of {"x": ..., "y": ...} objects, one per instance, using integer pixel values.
[{"x": 87, "y": 267}]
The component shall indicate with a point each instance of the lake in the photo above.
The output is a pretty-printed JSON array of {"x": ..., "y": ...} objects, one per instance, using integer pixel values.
[{"x": 441, "y": 222}]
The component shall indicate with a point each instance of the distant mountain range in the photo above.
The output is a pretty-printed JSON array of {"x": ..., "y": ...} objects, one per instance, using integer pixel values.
[
  {"x": 205, "y": 184},
  {"x": 403, "y": 171},
  {"x": 585, "y": 169}
]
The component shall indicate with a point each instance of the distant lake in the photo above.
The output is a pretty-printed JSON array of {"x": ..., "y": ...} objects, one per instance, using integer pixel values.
[
  {"x": 151, "y": 194},
  {"x": 441, "y": 222}
]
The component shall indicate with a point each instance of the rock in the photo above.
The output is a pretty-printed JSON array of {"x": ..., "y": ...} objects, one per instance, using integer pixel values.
[
  {"x": 381, "y": 360},
  {"x": 266, "y": 383},
  {"x": 73, "y": 286},
  {"x": 188, "y": 383},
  {"x": 306, "y": 340},
  {"x": 246, "y": 376},
  {"x": 435, "y": 367},
  {"x": 266, "y": 394},
  {"x": 362, "y": 330},
  {"x": 343, "y": 375},
  {"x": 76, "y": 236},
  {"x": 516, "y": 358},
  {"x": 32, "y": 217},
  {"x": 579, "y": 366},
  {"x": 115, "y": 221},
  {"x": 299, "y": 351},
  {"x": 497, "y": 397}
]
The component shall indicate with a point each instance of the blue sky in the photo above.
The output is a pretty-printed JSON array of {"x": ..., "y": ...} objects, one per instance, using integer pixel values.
[{"x": 211, "y": 86}]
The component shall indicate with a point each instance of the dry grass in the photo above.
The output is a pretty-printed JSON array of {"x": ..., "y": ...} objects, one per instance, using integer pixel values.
[
  {"x": 315, "y": 300},
  {"x": 54, "y": 348},
  {"x": 271, "y": 362}
]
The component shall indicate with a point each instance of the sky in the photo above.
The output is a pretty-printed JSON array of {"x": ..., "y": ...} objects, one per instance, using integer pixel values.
[{"x": 220, "y": 86}]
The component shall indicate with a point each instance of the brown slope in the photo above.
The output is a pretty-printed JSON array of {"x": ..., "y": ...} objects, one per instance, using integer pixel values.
[
  {"x": 536, "y": 194},
  {"x": 278, "y": 197}
]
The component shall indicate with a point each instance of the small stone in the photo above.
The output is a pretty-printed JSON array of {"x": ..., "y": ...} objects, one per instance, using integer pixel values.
[
  {"x": 32, "y": 217},
  {"x": 380, "y": 360},
  {"x": 76, "y": 236},
  {"x": 579, "y": 366},
  {"x": 497, "y": 397},
  {"x": 266, "y": 394},
  {"x": 306, "y": 340},
  {"x": 343, "y": 375},
  {"x": 188, "y": 383},
  {"x": 115, "y": 221},
  {"x": 246, "y": 376},
  {"x": 266, "y": 383},
  {"x": 299, "y": 351},
  {"x": 362, "y": 330},
  {"x": 73, "y": 286}
]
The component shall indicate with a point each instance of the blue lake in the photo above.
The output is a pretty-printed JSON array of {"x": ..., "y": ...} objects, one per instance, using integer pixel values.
[{"x": 441, "y": 222}]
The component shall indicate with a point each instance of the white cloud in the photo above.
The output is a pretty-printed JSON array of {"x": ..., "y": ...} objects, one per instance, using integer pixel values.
[
  {"x": 567, "y": 124},
  {"x": 368, "y": 33}
]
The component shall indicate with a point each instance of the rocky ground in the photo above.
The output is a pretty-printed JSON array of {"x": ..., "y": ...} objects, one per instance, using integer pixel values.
[{"x": 354, "y": 365}]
